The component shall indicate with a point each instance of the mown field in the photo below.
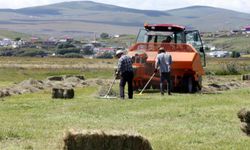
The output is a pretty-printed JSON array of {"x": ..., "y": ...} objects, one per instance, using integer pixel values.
[{"x": 181, "y": 121}]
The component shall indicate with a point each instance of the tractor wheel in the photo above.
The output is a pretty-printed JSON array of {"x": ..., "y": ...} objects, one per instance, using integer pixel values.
[
  {"x": 199, "y": 84},
  {"x": 188, "y": 84}
]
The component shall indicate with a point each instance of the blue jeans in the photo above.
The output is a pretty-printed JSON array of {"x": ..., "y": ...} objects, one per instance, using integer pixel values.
[
  {"x": 165, "y": 76},
  {"x": 126, "y": 77}
]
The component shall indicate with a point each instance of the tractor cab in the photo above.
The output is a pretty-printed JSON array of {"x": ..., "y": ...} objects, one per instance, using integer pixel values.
[{"x": 170, "y": 33}]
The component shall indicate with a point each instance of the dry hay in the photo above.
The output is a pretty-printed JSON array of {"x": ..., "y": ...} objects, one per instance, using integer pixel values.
[
  {"x": 31, "y": 85},
  {"x": 246, "y": 77},
  {"x": 4, "y": 93},
  {"x": 103, "y": 90},
  {"x": 245, "y": 127},
  {"x": 94, "y": 82},
  {"x": 99, "y": 140},
  {"x": 31, "y": 82},
  {"x": 55, "y": 78},
  {"x": 244, "y": 116},
  {"x": 74, "y": 76},
  {"x": 216, "y": 84},
  {"x": 63, "y": 93}
]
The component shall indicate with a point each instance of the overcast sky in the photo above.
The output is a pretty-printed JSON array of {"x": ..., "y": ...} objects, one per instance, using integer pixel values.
[{"x": 238, "y": 5}]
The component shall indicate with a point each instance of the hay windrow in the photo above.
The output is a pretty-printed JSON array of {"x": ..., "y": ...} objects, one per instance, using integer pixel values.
[
  {"x": 216, "y": 84},
  {"x": 101, "y": 140},
  {"x": 104, "y": 89},
  {"x": 31, "y": 85}
]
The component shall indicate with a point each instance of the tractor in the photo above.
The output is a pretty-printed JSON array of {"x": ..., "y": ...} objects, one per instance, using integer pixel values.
[{"x": 183, "y": 44}]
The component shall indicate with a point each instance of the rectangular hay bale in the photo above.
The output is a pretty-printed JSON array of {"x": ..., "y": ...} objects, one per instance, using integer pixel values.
[{"x": 99, "y": 140}]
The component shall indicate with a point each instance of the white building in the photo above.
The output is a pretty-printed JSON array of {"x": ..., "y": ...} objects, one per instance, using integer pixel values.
[{"x": 219, "y": 54}]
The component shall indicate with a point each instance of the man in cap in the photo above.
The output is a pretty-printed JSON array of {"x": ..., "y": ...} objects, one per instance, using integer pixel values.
[
  {"x": 125, "y": 70},
  {"x": 164, "y": 61}
]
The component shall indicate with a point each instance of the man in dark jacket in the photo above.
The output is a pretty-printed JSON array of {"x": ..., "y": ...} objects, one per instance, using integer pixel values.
[
  {"x": 164, "y": 61},
  {"x": 125, "y": 70}
]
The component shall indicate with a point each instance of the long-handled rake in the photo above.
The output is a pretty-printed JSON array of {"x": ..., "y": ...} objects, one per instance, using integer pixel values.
[
  {"x": 147, "y": 84},
  {"x": 106, "y": 96}
]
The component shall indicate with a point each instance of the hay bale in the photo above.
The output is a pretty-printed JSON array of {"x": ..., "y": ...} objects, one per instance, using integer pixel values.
[
  {"x": 68, "y": 93},
  {"x": 246, "y": 77},
  {"x": 55, "y": 78},
  {"x": 99, "y": 140},
  {"x": 57, "y": 93},
  {"x": 62, "y": 93},
  {"x": 244, "y": 115},
  {"x": 245, "y": 127}
]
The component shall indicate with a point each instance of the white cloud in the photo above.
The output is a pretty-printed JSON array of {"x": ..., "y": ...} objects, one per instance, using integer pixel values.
[{"x": 238, "y": 5}]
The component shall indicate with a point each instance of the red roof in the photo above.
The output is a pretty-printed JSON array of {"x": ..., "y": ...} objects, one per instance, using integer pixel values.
[
  {"x": 247, "y": 28},
  {"x": 164, "y": 27}
]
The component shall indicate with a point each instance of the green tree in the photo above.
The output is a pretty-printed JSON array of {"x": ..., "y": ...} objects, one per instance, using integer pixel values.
[
  {"x": 17, "y": 39},
  {"x": 235, "y": 54},
  {"x": 104, "y": 35}
]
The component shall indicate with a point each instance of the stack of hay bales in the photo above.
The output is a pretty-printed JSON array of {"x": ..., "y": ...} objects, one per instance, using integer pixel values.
[
  {"x": 99, "y": 140},
  {"x": 246, "y": 77},
  {"x": 244, "y": 116},
  {"x": 63, "y": 93}
]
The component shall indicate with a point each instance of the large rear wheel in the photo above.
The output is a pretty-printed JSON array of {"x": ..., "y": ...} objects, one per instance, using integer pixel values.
[{"x": 189, "y": 85}]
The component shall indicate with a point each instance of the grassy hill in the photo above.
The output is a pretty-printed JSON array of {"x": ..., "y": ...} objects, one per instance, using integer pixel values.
[
  {"x": 13, "y": 35},
  {"x": 83, "y": 18}
]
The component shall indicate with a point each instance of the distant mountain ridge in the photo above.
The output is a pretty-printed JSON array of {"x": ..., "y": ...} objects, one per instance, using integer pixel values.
[{"x": 83, "y": 18}]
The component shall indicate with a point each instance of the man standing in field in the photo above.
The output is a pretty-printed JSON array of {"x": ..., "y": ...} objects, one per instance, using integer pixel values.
[
  {"x": 164, "y": 61},
  {"x": 125, "y": 70}
]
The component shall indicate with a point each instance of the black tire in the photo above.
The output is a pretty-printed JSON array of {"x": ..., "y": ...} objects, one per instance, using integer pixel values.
[{"x": 188, "y": 84}]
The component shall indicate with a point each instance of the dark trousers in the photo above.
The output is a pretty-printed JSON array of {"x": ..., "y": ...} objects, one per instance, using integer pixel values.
[
  {"x": 165, "y": 76},
  {"x": 126, "y": 77}
]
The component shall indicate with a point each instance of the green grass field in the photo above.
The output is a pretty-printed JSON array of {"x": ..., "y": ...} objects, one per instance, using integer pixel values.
[
  {"x": 181, "y": 121},
  {"x": 237, "y": 43}
]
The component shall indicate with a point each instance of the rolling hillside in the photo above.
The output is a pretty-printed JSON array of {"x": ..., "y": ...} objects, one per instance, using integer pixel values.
[{"x": 83, "y": 18}]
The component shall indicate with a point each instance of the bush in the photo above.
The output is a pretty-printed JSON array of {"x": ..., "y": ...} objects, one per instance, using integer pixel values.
[
  {"x": 11, "y": 52},
  {"x": 231, "y": 68},
  {"x": 72, "y": 55},
  {"x": 23, "y": 52},
  {"x": 68, "y": 50},
  {"x": 104, "y": 35},
  {"x": 65, "y": 45},
  {"x": 88, "y": 49},
  {"x": 235, "y": 54},
  {"x": 33, "y": 53}
]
